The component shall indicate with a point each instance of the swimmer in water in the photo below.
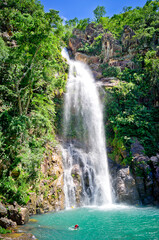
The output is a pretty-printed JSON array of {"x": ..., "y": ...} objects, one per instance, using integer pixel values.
[{"x": 76, "y": 226}]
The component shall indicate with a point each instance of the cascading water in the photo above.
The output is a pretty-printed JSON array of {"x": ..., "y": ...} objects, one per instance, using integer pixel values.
[{"x": 86, "y": 177}]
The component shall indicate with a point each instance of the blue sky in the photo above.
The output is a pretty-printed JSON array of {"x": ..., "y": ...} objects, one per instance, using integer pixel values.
[{"x": 84, "y": 8}]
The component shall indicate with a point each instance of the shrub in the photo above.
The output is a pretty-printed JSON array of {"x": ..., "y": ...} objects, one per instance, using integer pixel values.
[{"x": 109, "y": 71}]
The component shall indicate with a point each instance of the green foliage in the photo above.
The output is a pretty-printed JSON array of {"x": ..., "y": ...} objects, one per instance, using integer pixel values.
[
  {"x": 69, "y": 26},
  {"x": 14, "y": 190},
  {"x": 71, "y": 23},
  {"x": 109, "y": 71},
  {"x": 93, "y": 49},
  {"x": 31, "y": 72},
  {"x": 33, "y": 76},
  {"x": 4, "y": 51},
  {"x": 4, "y": 231},
  {"x": 129, "y": 112},
  {"x": 152, "y": 70},
  {"x": 74, "y": 23},
  {"x": 99, "y": 12},
  {"x": 83, "y": 23},
  {"x": 144, "y": 21}
]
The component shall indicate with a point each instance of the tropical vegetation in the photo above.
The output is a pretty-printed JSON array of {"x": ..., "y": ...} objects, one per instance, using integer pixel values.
[{"x": 33, "y": 77}]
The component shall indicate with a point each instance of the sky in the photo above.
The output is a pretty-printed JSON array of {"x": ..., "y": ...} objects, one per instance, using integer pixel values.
[{"x": 81, "y": 9}]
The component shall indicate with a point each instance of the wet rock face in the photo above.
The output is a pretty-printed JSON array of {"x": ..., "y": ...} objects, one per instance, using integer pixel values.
[
  {"x": 123, "y": 184},
  {"x": 126, "y": 187},
  {"x": 50, "y": 196},
  {"x": 76, "y": 175},
  {"x": 139, "y": 183},
  {"x": 154, "y": 163},
  {"x": 144, "y": 178},
  {"x": 143, "y": 173}
]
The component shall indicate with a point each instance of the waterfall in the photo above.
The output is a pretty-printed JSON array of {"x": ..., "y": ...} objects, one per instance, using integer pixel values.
[{"x": 86, "y": 176}]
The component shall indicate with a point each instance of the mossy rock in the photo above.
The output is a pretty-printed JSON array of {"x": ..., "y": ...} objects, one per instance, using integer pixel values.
[{"x": 33, "y": 220}]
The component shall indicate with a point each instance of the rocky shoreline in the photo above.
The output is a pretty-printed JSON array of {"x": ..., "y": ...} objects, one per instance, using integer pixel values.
[{"x": 10, "y": 217}]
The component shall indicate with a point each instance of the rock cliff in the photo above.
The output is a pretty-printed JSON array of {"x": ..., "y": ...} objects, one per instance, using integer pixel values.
[
  {"x": 138, "y": 183},
  {"x": 96, "y": 46},
  {"x": 50, "y": 195}
]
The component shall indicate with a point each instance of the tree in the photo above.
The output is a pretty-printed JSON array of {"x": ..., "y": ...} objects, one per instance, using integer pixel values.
[
  {"x": 72, "y": 23},
  {"x": 99, "y": 12},
  {"x": 32, "y": 71},
  {"x": 126, "y": 9},
  {"x": 83, "y": 23}
]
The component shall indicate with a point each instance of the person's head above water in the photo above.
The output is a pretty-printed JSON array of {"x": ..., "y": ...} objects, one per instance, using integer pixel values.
[{"x": 76, "y": 226}]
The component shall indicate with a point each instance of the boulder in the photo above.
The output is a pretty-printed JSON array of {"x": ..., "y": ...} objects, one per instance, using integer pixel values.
[
  {"x": 123, "y": 184},
  {"x": 75, "y": 44},
  {"x": 155, "y": 161},
  {"x": 136, "y": 148},
  {"x": 19, "y": 215},
  {"x": 24, "y": 213},
  {"x": 7, "y": 223},
  {"x": 126, "y": 187},
  {"x": 76, "y": 175},
  {"x": 3, "y": 210},
  {"x": 86, "y": 59}
]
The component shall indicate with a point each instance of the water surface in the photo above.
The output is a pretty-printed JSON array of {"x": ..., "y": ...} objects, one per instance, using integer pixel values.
[{"x": 117, "y": 222}]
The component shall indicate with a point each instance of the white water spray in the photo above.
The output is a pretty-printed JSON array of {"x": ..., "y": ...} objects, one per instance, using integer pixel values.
[{"x": 85, "y": 151}]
